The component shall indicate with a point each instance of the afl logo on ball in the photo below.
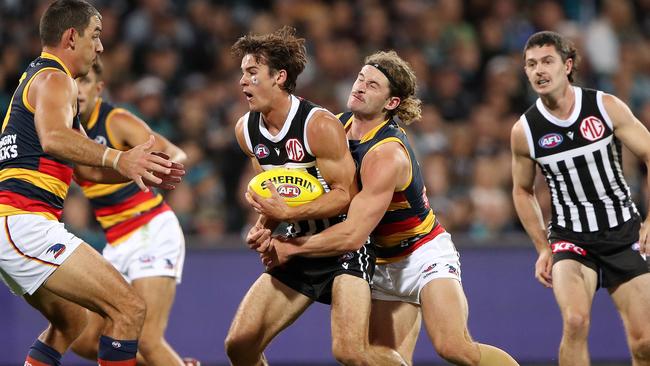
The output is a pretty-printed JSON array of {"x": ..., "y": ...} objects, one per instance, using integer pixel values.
[
  {"x": 261, "y": 151},
  {"x": 288, "y": 190},
  {"x": 295, "y": 150},
  {"x": 592, "y": 128}
]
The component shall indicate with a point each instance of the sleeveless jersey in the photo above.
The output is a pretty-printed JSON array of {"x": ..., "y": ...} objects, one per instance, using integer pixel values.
[
  {"x": 31, "y": 181},
  {"x": 120, "y": 208},
  {"x": 288, "y": 149},
  {"x": 582, "y": 162},
  {"x": 409, "y": 222}
]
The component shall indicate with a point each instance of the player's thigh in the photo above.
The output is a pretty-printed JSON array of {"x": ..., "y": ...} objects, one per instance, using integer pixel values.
[
  {"x": 85, "y": 278},
  {"x": 396, "y": 325},
  {"x": 632, "y": 299},
  {"x": 158, "y": 294},
  {"x": 268, "y": 307},
  {"x": 574, "y": 286},
  {"x": 350, "y": 309},
  {"x": 444, "y": 310}
]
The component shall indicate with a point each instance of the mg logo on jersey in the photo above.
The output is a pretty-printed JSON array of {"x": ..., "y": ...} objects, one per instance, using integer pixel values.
[
  {"x": 550, "y": 140},
  {"x": 592, "y": 128},
  {"x": 288, "y": 190},
  {"x": 261, "y": 151},
  {"x": 295, "y": 150},
  {"x": 565, "y": 246}
]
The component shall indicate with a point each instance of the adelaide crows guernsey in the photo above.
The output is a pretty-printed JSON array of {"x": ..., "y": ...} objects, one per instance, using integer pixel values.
[
  {"x": 288, "y": 149},
  {"x": 409, "y": 222},
  {"x": 31, "y": 181},
  {"x": 121, "y": 208},
  {"x": 582, "y": 162}
]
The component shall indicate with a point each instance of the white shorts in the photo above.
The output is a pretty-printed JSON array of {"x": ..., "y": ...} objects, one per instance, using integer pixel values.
[
  {"x": 31, "y": 249},
  {"x": 156, "y": 249},
  {"x": 403, "y": 280}
]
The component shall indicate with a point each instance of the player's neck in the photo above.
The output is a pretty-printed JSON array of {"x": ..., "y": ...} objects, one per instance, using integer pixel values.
[
  {"x": 62, "y": 56},
  {"x": 277, "y": 113},
  {"x": 561, "y": 103},
  {"x": 361, "y": 125}
]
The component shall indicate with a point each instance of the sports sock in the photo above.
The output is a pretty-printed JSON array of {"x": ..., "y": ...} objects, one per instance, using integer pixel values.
[
  {"x": 40, "y": 354},
  {"x": 113, "y": 352}
]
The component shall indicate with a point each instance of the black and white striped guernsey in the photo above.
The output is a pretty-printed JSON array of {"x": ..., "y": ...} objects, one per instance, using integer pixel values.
[
  {"x": 289, "y": 149},
  {"x": 581, "y": 160}
]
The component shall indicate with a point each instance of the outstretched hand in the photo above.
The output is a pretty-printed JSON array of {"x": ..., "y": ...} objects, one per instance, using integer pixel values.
[
  {"x": 147, "y": 168},
  {"x": 273, "y": 207},
  {"x": 169, "y": 181}
]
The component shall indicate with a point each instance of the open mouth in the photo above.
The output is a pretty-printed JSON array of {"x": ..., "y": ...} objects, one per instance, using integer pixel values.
[
  {"x": 248, "y": 95},
  {"x": 542, "y": 82}
]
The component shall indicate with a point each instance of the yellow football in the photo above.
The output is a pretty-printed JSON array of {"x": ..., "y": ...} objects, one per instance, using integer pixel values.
[{"x": 295, "y": 186}]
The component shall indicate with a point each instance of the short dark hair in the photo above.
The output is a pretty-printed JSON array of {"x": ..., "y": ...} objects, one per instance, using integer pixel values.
[
  {"x": 563, "y": 46},
  {"x": 62, "y": 15},
  {"x": 280, "y": 50}
]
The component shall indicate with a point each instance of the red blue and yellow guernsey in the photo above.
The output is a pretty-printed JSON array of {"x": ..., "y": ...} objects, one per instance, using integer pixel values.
[
  {"x": 31, "y": 181},
  {"x": 121, "y": 208},
  {"x": 409, "y": 222}
]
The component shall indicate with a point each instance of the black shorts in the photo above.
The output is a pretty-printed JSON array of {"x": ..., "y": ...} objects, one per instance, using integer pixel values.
[
  {"x": 313, "y": 277},
  {"x": 613, "y": 254}
]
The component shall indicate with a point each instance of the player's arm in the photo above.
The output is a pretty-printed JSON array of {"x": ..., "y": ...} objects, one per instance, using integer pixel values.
[
  {"x": 635, "y": 136},
  {"x": 329, "y": 145},
  {"x": 259, "y": 235},
  {"x": 383, "y": 169},
  {"x": 131, "y": 131},
  {"x": 526, "y": 204},
  {"x": 53, "y": 95}
]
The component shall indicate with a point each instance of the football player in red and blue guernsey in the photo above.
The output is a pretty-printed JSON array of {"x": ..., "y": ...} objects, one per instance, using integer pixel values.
[
  {"x": 53, "y": 270},
  {"x": 144, "y": 239}
]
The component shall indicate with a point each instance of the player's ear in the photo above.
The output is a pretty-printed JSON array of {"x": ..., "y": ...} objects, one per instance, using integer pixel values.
[
  {"x": 69, "y": 38},
  {"x": 393, "y": 102},
  {"x": 281, "y": 77}
]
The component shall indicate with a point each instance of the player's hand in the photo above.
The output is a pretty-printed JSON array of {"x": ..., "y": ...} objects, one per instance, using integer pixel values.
[
  {"x": 543, "y": 268},
  {"x": 277, "y": 255},
  {"x": 169, "y": 181},
  {"x": 259, "y": 238},
  {"x": 139, "y": 164},
  {"x": 273, "y": 207},
  {"x": 644, "y": 240}
]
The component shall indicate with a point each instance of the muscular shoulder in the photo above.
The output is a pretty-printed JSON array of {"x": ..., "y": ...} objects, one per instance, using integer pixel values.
[
  {"x": 239, "y": 134},
  {"x": 518, "y": 142},
  {"x": 325, "y": 133},
  {"x": 618, "y": 111},
  {"x": 50, "y": 80}
]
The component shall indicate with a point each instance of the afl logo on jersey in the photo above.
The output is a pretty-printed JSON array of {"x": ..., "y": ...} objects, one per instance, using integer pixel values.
[
  {"x": 550, "y": 140},
  {"x": 295, "y": 150},
  {"x": 592, "y": 128},
  {"x": 101, "y": 140},
  {"x": 261, "y": 151}
]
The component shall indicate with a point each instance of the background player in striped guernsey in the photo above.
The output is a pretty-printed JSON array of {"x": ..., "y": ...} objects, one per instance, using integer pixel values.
[
  {"x": 283, "y": 130},
  {"x": 53, "y": 270},
  {"x": 595, "y": 238},
  {"x": 418, "y": 270},
  {"x": 144, "y": 240}
]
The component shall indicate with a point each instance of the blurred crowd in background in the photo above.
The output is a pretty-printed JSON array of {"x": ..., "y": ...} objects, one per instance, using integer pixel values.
[{"x": 169, "y": 62}]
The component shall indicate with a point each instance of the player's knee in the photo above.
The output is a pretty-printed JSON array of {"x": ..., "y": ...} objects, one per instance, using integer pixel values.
[
  {"x": 640, "y": 348},
  {"x": 576, "y": 323},
  {"x": 131, "y": 311},
  {"x": 241, "y": 345},
  {"x": 458, "y": 352},
  {"x": 349, "y": 353}
]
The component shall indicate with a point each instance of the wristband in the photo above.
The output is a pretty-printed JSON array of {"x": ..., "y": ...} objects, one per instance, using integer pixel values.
[
  {"x": 117, "y": 158},
  {"x": 104, "y": 157}
]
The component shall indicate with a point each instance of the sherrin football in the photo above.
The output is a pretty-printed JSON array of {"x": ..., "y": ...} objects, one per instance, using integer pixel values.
[{"x": 295, "y": 186}]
